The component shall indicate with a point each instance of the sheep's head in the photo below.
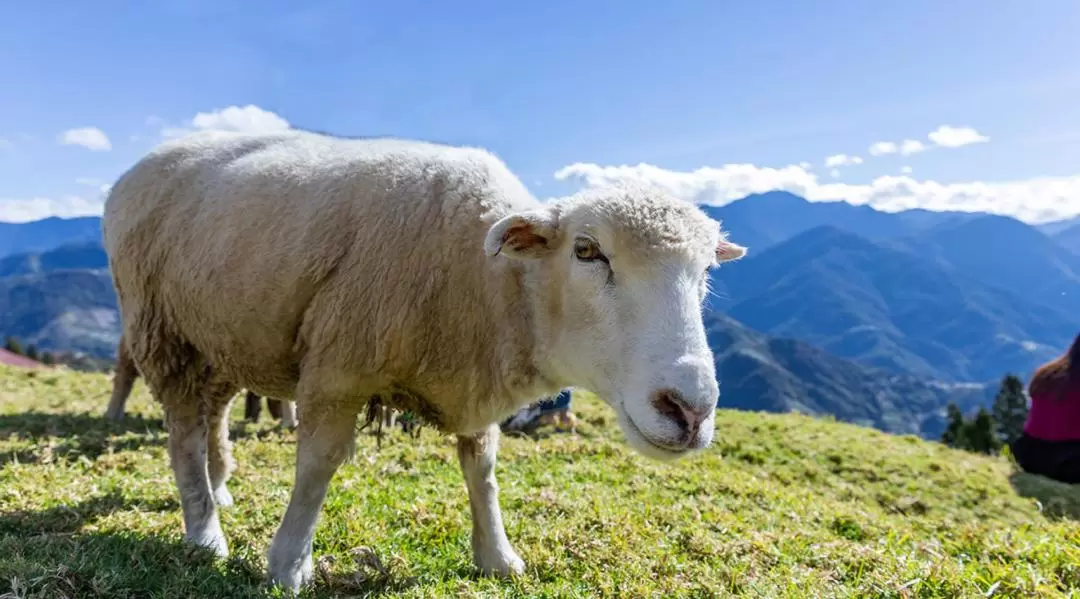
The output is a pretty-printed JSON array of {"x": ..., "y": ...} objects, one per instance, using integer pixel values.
[{"x": 618, "y": 277}]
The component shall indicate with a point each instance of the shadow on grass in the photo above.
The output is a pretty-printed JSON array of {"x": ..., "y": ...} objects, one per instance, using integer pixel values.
[
  {"x": 34, "y": 424},
  {"x": 65, "y": 519},
  {"x": 67, "y": 435},
  {"x": 94, "y": 565},
  {"x": 46, "y": 553},
  {"x": 73, "y": 435},
  {"x": 1059, "y": 500}
]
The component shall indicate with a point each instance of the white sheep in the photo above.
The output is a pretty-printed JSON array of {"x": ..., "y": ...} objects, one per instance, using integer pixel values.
[{"x": 353, "y": 272}]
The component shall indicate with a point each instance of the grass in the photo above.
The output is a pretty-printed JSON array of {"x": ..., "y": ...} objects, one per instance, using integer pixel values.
[{"x": 780, "y": 506}]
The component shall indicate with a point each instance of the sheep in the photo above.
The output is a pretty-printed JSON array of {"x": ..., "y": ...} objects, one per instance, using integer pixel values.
[
  {"x": 124, "y": 380},
  {"x": 350, "y": 273}
]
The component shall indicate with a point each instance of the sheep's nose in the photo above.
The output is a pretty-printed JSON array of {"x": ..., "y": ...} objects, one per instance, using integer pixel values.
[{"x": 670, "y": 403}]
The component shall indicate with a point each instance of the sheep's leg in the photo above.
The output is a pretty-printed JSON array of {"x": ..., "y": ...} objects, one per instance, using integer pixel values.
[
  {"x": 221, "y": 463},
  {"x": 123, "y": 381},
  {"x": 492, "y": 551},
  {"x": 324, "y": 440},
  {"x": 288, "y": 413},
  {"x": 188, "y": 457},
  {"x": 252, "y": 406}
]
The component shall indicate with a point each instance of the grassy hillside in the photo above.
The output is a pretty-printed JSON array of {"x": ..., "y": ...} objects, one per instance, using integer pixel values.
[{"x": 781, "y": 506}]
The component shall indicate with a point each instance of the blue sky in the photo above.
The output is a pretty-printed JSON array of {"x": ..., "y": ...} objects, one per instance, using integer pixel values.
[{"x": 713, "y": 99}]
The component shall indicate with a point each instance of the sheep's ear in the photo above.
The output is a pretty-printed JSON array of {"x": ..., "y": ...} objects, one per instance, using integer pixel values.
[
  {"x": 522, "y": 235},
  {"x": 727, "y": 251}
]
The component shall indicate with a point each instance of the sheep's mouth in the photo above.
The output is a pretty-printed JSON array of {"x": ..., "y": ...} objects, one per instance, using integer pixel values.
[{"x": 674, "y": 450}]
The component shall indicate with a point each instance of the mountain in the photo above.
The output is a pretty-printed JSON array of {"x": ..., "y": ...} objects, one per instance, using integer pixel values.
[
  {"x": 46, "y": 234},
  {"x": 887, "y": 305},
  {"x": 760, "y": 221},
  {"x": 1003, "y": 252},
  {"x": 61, "y": 310},
  {"x": 1069, "y": 238},
  {"x": 86, "y": 255},
  {"x": 761, "y": 373},
  {"x": 1055, "y": 227}
]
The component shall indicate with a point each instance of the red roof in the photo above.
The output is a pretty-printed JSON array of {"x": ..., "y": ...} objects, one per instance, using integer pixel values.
[{"x": 11, "y": 359}]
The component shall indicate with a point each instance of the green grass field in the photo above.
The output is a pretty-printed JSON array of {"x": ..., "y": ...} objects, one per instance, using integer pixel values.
[{"x": 780, "y": 506}]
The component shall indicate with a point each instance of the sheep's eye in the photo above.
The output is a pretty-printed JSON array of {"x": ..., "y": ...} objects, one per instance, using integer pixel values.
[{"x": 586, "y": 250}]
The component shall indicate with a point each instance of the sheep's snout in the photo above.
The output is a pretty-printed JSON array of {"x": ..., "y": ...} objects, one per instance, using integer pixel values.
[
  {"x": 675, "y": 414},
  {"x": 670, "y": 404}
]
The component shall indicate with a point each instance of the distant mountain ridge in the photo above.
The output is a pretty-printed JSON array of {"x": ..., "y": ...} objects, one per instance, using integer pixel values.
[
  {"x": 998, "y": 251},
  {"x": 758, "y": 372},
  {"x": 1069, "y": 238},
  {"x": 47, "y": 234},
  {"x": 888, "y": 305},
  {"x": 61, "y": 310},
  {"x": 86, "y": 255}
]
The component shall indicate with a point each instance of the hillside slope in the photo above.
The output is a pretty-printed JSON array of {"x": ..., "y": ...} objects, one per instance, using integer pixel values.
[
  {"x": 780, "y": 506},
  {"x": 889, "y": 306},
  {"x": 1008, "y": 254},
  {"x": 757, "y": 372},
  {"x": 86, "y": 255},
  {"x": 61, "y": 310},
  {"x": 1069, "y": 239}
]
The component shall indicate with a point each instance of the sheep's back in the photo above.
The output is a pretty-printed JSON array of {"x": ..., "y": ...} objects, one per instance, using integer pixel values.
[{"x": 264, "y": 251}]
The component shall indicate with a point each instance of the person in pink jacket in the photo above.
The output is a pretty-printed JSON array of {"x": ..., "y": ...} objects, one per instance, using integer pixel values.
[{"x": 1050, "y": 443}]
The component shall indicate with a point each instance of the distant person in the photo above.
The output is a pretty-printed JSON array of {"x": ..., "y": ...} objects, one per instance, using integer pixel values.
[
  {"x": 1050, "y": 443},
  {"x": 550, "y": 410}
]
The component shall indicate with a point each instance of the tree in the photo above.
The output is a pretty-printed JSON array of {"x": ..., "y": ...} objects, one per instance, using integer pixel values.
[
  {"x": 955, "y": 427},
  {"x": 48, "y": 359},
  {"x": 13, "y": 346},
  {"x": 981, "y": 435},
  {"x": 1010, "y": 410},
  {"x": 31, "y": 352}
]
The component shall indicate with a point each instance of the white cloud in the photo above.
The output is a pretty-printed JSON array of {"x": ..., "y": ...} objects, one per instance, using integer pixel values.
[
  {"x": 21, "y": 210},
  {"x": 911, "y": 146},
  {"x": 906, "y": 170},
  {"x": 90, "y": 138},
  {"x": 881, "y": 148},
  {"x": 842, "y": 160},
  {"x": 98, "y": 184},
  {"x": 1033, "y": 200},
  {"x": 805, "y": 165},
  {"x": 835, "y": 173},
  {"x": 953, "y": 137},
  {"x": 250, "y": 118}
]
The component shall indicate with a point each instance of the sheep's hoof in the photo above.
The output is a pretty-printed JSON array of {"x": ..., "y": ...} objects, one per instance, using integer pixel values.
[
  {"x": 222, "y": 496},
  {"x": 292, "y": 576},
  {"x": 114, "y": 415},
  {"x": 500, "y": 563},
  {"x": 213, "y": 540}
]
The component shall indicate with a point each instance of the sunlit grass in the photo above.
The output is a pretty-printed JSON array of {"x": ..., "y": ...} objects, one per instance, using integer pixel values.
[{"x": 780, "y": 506}]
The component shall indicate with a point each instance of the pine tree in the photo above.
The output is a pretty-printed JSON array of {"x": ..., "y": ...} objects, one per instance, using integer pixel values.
[
  {"x": 954, "y": 429},
  {"x": 31, "y": 352},
  {"x": 1010, "y": 410},
  {"x": 981, "y": 435},
  {"x": 13, "y": 346}
]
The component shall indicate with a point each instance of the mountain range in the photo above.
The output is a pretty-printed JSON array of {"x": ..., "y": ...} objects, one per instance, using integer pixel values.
[
  {"x": 878, "y": 318},
  {"x": 46, "y": 234},
  {"x": 775, "y": 374},
  {"x": 888, "y": 305}
]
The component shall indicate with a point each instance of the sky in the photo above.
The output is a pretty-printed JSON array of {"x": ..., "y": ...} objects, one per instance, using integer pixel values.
[{"x": 958, "y": 105}]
